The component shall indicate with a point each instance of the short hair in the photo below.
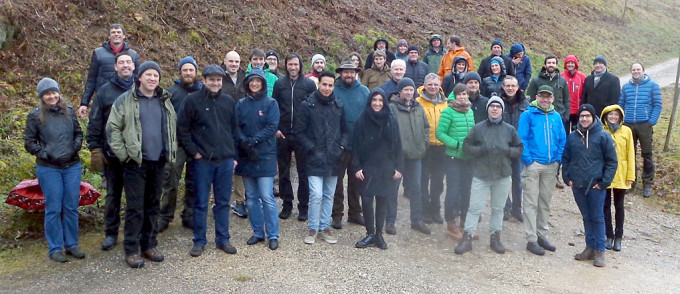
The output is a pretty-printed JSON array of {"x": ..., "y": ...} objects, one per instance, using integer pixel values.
[
  {"x": 455, "y": 39},
  {"x": 257, "y": 52},
  {"x": 460, "y": 87},
  {"x": 545, "y": 61},
  {"x": 432, "y": 76},
  {"x": 640, "y": 63},
  {"x": 117, "y": 26},
  {"x": 509, "y": 77},
  {"x": 379, "y": 53},
  {"x": 394, "y": 62},
  {"x": 326, "y": 73},
  {"x": 294, "y": 55},
  {"x": 123, "y": 53}
]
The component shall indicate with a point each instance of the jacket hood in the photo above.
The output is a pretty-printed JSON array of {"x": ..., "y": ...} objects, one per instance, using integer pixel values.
[
  {"x": 370, "y": 96},
  {"x": 643, "y": 80},
  {"x": 387, "y": 44},
  {"x": 254, "y": 73},
  {"x": 439, "y": 99},
  {"x": 571, "y": 58},
  {"x": 460, "y": 58},
  {"x": 435, "y": 36},
  {"x": 610, "y": 108},
  {"x": 500, "y": 61},
  {"x": 516, "y": 48}
]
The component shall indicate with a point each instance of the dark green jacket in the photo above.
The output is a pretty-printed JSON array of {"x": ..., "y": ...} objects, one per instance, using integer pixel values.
[
  {"x": 414, "y": 129},
  {"x": 560, "y": 91},
  {"x": 492, "y": 146}
]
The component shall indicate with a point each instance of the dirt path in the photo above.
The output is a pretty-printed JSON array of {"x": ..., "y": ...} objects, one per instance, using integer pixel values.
[{"x": 662, "y": 73}]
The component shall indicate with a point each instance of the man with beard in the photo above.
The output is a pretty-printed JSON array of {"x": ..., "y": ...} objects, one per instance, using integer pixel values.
[
  {"x": 187, "y": 84},
  {"x": 496, "y": 51},
  {"x": 550, "y": 76},
  {"x": 318, "y": 65}
]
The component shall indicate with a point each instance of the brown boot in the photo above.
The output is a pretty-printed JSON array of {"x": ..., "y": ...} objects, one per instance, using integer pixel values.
[{"x": 453, "y": 231}]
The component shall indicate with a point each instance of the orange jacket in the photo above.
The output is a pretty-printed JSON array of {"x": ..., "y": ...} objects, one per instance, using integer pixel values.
[{"x": 447, "y": 61}]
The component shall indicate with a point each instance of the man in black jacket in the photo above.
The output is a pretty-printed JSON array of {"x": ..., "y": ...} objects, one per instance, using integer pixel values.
[
  {"x": 102, "y": 157},
  {"x": 601, "y": 88},
  {"x": 289, "y": 92},
  {"x": 207, "y": 130},
  {"x": 496, "y": 50}
]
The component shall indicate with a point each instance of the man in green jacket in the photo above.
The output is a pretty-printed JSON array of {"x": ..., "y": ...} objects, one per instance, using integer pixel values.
[{"x": 256, "y": 58}]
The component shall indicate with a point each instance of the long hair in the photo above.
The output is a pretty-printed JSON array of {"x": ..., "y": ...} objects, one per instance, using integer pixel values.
[{"x": 44, "y": 108}]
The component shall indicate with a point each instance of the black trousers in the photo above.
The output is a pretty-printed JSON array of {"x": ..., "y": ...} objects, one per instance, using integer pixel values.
[
  {"x": 114, "y": 192},
  {"x": 284, "y": 152},
  {"x": 143, "y": 186},
  {"x": 618, "y": 195},
  {"x": 432, "y": 179},
  {"x": 374, "y": 218},
  {"x": 644, "y": 132},
  {"x": 353, "y": 188}
]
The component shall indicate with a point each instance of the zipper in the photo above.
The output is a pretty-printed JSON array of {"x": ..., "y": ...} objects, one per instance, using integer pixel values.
[{"x": 292, "y": 102}]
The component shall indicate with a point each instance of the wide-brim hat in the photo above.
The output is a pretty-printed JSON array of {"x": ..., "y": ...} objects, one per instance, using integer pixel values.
[{"x": 347, "y": 64}]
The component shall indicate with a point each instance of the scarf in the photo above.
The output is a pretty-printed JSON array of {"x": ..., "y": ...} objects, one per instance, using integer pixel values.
[
  {"x": 597, "y": 76},
  {"x": 323, "y": 99},
  {"x": 614, "y": 126},
  {"x": 123, "y": 83},
  {"x": 496, "y": 121},
  {"x": 462, "y": 107}
]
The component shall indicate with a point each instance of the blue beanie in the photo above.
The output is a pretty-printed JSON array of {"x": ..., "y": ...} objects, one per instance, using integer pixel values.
[
  {"x": 516, "y": 48},
  {"x": 186, "y": 60}
]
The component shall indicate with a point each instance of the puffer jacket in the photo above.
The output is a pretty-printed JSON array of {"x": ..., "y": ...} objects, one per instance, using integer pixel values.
[
  {"x": 417, "y": 72},
  {"x": 101, "y": 69},
  {"x": 374, "y": 76},
  {"x": 574, "y": 84},
  {"x": 560, "y": 91},
  {"x": 452, "y": 130},
  {"x": 625, "y": 150},
  {"x": 492, "y": 145},
  {"x": 478, "y": 106},
  {"x": 514, "y": 108},
  {"x": 446, "y": 66},
  {"x": 589, "y": 157},
  {"x": 542, "y": 134},
  {"x": 99, "y": 114},
  {"x": 289, "y": 94},
  {"x": 523, "y": 69},
  {"x": 414, "y": 129},
  {"x": 124, "y": 127},
  {"x": 433, "y": 111},
  {"x": 56, "y": 141},
  {"x": 432, "y": 57},
  {"x": 641, "y": 100}
]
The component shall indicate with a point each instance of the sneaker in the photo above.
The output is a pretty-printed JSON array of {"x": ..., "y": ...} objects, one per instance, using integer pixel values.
[
  {"x": 196, "y": 251},
  {"x": 58, "y": 257},
  {"x": 311, "y": 237},
  {"x": 327, "y": 236},
  {"x": 390, "y": 229},
  {"x": 240, "y": 210},
  {"x": 134, "y": 261},
  {"x": 76, "y": 253},
  {"x": 227, "y": 247},
  {"x": 153, "y": 255}
]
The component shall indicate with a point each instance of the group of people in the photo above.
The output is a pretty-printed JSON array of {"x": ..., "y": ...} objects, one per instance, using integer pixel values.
[{"x": 397, "y": 120}]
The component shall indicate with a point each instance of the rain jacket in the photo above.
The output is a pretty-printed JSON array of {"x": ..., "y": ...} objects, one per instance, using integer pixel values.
[
  {"x": 268, "y": 76},
  {"x": 447, "y": 61},
  {"x": 542, "y": 134},
  {"x": 433, "y": 110},
  {"x": 574, "y": 84},
  {"x": 523, "y": 69},
  {"x": 432, "y": 57},
  {"x": 625, "y": 150}
]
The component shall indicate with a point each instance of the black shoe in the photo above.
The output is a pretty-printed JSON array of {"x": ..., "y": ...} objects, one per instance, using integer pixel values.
[
  {"x": 390, "y": 229},
  {"x": 285, "y": 212},
  {"x": 646, "y": 192},
  {"x": 506, "y": 215},
  {"x": 608, "y": 243},
  {"x": 196, "y": 251},
  {"x": 254, "y": 240},
  {"x": 543, "y": 242},
  {"x": 188, "y": 223},
  {"x": 58, "y": 257},
  {"x": 336, "y": 223},
  {"x": 437, "y": 218},
  {"x": 76, "y": 253},
  {"x": 518, "y": 216},
  {"x": 134, "y": 261},
  {"x": 534, "y": 248},
  {"x": 496, "y": 244},
  {"x": 302, "y": 216},
  {"x": 359, "y": 220},
  {"x": 465, "y": 244},
  {"x": 380, "y": 242},
  {"x": 421, "y": 227},
  {"x": 227, "y": 247},
  {"x": 617, "y": 244},
  {"x": 427, "y": 219},
  {"x": 153, "y": 255},
  {"x": 273, "y": 244},
  {"x": 163, "y": 225},
  {"x": 109, "y": 242},
  {"x": 368, "y": 241}
]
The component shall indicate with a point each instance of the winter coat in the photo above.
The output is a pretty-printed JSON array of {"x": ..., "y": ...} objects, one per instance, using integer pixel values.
[
  {"x": 270, "y": 77},
  {"x": 433, "y": 108},
  {"x": 374, "y": 77},
  {"x": 101, "y": 69},
  {"x": 641, "y": 100},
  {"x": 492, "y": 85},
  {"x": 478, "y": 106},
  {"x": 414, "y": 129},
  {"x": 625, "y": 150},
  {"x": 99, "y": 114},
  {"x": 417, "y": 72},
  {"x": 353, "y": 101},
  {"x": 179, "y": 92},
  {"x": 454, "y": 77},
  {"x": 589, "y": 158},
  {"x": 403, "y": 57},
  {"x": 433, "y": 58},
  {"x": 492, "y": 145},
  {"x": 124, "y": 127},
  {"x": 560, "y": 91},
  {"x": 390, "y": 55},
  {"x": 235, "y": 90},
  {"x": 607, "y": 92},
  {"x": 542, "y": 134},
  {"x": 447, "y": 61},
  {"x": 485, "y": 66},
  {"x": 574, "y": 84},
  {"x": 56, "y": 141},
  {"x": 514, "y": 108},
  {"x": 289, "y": 94},
  {"x": 321, "y": 130},
  {"x": 390, "y": 87},
  {"x": 523, "y": 69},
  {"x": 207, "y": 125},
  {"x": 452, "y": 129},
  {"x": 378, "y": 151}
]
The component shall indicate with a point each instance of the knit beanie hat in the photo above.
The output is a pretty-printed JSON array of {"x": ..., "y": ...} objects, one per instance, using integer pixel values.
[
  {"x": 498, "y": 42},
  {"x": 495, "y": 99},
  {"x": 212, "y": 69},
  {"x": 45, "y": 85},
  {"x": 516, "y": 48},
  {"x": 588, "y": 108},
  {"x": 186, "y": 60},
  {"x": 405, "y": 82},
  {"x": 472, "y": 75},
  {"x": 494, "y": 60},
  {"x": 318, "y": 57},
  {"x": 272, "y": 53},
  {"x": 146, "y": 65},
  {"x": 412, "y": 48},
  {"x": 402, "y": 42},
  {"x": 600, "y": 59}
]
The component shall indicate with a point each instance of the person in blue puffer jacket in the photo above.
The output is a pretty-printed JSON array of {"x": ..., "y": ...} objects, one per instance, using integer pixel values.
[{"x": 522, "y": 63}]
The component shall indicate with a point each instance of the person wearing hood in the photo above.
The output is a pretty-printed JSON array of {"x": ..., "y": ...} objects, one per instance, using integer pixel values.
[
  {"x": 142, "y": 133},
  {"x": 258, "y": 119},
  {"x": 473, "y": 82},
  {"x": 431, "y": 97},
  {"x": 383, "y": 45},
  {"x": 352, "y": 95},
  {"x": 496, "y": 51},
  {"x": 454, "y": 124},
  {"x": 256, "y": 58},
  {"x": 414, "y": 131},
  {"x": 460, "y": 68},
  {"x": 402, "y": 50},
  {"x": 575, "y": 80},
  {"x": 492, "y": 85},
  {"x": 550, "y": 75},
  {"x": 54, "y": 137},
  {"x": 379, "y": 164},
  {"x": 493, "y": 143},
  {"x": 415, "y": 70},
  {"x": 589, "y": 165},
  {"x": 522, "y": 64},
  {"x": 601, "y": 88},
  {"x": 641, "y": 99},
  {"x": 433, "y": 56},
  {"x": 321, "y": 130},
  {"x": 207, "y": 132},
  {"x": 101, "y": 68},
  {"x": 455, "y": 48},
  {"x": 379, "y": 73},
  {"x": 101, "y": 156},
  {"x": 187, "y": 83},
  {"x": 612, "y": 118}
]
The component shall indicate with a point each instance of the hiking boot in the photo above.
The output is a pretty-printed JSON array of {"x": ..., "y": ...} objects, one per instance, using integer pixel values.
[
  {"x": 285, "y": 212},
  {"x": 196, "y": 251},
  {"x": 254, "y": 240},
  {"x": 109, "y": 242},
  {"x": 506, "y": 215},
  {"x": 311, "y": 237},
  {"x": 465, "y": 244},
  {"x": 368, "y": 241},
  {"x": 76, "y": 253},
  {"x": 391, "y": 229},
  {"x": 608, "y": 243},
  {"x": 273, "y": 244},
  {"x": 358, "y": 220},
  {"x": 240, "y": 210},
  {"x": 302, "y": 216},
  {"x": 534, "y": 248},
  {"x": 380, "y": 242},
  {"x": 453, "y": 231},
  {"x": 647, "y": 191},
  {"x": 427, "y": 219},
  {"x": 134, "y": 261},
  {"x": 587, "y": 254},
  {"x": 163, "y": 225},
  {"x": 227, "y": 247},
  {"x": 598, "y": 258},
  {"x": 496, "y": 244},
  {"x": 421, "y": 227},
  {"x": 543, "y": 242},
  {"x": 153, "y": 255},
  {"x": 327, "y": 236},
  {"x": 437, "y": 218},
  {"x": 58, "y": 257},
  {"x": 336, "y": 223}
]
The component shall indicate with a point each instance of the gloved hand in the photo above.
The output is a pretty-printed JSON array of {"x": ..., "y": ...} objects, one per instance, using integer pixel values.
[{"x": 97, "y": 160}]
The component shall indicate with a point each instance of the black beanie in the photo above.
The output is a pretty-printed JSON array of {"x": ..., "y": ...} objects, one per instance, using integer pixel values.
[
  {"x": 600, "y": 59},
  {"x": 588, "y": 108},
  {"x": 405, "y": 82}
]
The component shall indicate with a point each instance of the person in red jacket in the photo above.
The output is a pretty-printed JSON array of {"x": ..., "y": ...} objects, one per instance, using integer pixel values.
[{"x": 575, "y": 80}]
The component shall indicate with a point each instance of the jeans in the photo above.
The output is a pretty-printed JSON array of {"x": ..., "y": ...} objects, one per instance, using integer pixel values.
[
  {"x": 262, "y": 210},
  {"x": 217, "y": 174},
  {"x": 516, "y": 204},
  {"x": 644, "y": 132},
  {"x": 321, "y": 190},
  {"x": 538, "y": 183},
  {"x": 61, "y": 188},
  {"x": 590, "y": 202},
  {"x": 284, "y": 151},
  {"x": 432, "y": 178},
  {"x": 143, "y": 185},
  {"x": 170, "y": 187},
  {"x": 353, "y": 188},
  {"x": 458, "y": 180},
  {"x": 479, "y": 191},
  {"x": 114, "y": 192},
  {"x": 620, "y": 215},
  {"x": 375, "y": 218},
  {"x": 411, "y": 178}
]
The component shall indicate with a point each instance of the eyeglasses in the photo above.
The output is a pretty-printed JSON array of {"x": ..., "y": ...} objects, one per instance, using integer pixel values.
[
  {"x": 511, "y": 86},
  {"x": 495, "y": 106}
]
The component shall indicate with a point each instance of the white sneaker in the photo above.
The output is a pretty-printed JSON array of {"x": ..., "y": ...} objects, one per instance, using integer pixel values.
[
  {"x": 327, "y": 236},
  {"x": 311, "y": 237}
]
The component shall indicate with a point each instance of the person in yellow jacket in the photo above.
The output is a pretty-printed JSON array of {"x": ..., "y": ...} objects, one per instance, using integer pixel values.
[{"x": 612, "y": 117}]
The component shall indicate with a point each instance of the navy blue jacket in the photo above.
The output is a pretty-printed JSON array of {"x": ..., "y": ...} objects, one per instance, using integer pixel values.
[
  {"x": 417, "y": 72},
  {"x": 289, "y": 94},
  {"x": 101, "y": 69},
  {"x": 99, "y": 114},
  {"x": 258, "y": 120},
  {"x": 589, "y": 157}
]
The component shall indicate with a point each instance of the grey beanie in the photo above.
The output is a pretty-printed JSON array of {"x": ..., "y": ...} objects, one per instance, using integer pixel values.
[
  {"x": 318, "y": 57},
  {"x": 405, "y": 82},
  {"x": 45, "y": 85},
  {"x": 600, "y": 59},
  {"x": 214, "y": 70},
  {"x": 146, "y": 65},
  {"x": 495, "y": 99},
  {"x": 472, "y": 75}
]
